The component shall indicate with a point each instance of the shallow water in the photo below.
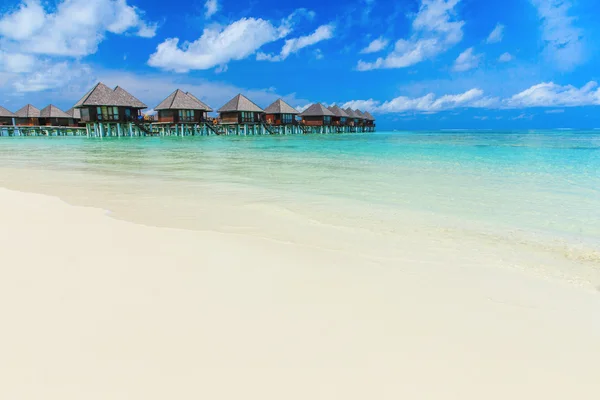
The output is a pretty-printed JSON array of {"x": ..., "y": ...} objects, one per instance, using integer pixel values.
[{"x": 547, "y": 182}]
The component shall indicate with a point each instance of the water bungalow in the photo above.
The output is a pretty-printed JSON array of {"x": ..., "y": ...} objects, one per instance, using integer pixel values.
[
  {"x": 54, "y": 116},
  {"x": 241, "y": 110},
  {"x": 280, "y": 113},
  {"x": 111, "y": 112},
  {"x": 353, "y": 117},
  {"x": 103, "y": 105},
  {"x": 182, "y": 108},
  {"x": 340, "y": 116},
  {"x": 361, "y": 117},
  {"x": 317, "y": 115},
  {"x": 370, "y": 119},
  {"x": 28, "y": 116},
  {"x": 6, "y": 117}
]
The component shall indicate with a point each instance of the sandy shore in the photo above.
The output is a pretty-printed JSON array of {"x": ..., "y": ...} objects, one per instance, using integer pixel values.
[{"x": 97, "y": 308}]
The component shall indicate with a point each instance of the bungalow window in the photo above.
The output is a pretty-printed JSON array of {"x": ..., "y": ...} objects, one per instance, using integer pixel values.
[
  {"x": 343, "y": 120},
  {"x": 327, "y": 119},
  {"x": 85, "y": 114},
  {"x": 286, "y": 118},
  {"x": 108, "y": 113},
  {"x": 247, "y": 116},
  {"x": 186, "y": 115}
]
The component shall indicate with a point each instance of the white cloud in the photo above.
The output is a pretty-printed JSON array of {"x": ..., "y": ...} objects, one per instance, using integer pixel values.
[
  {"x": 549, "y": 94},
  {"x": 16, "y": 62},
  {"x": 73, "y": 29},
  {"x": 217, "y": 46},
  {"x": 364, "y": 105},
  {"x": 429, "y": 103},
  {"x": 541, "y": 95},
  {"x": 435, "y": 30},
  {"x": 496, "y": 35},
  {"x": 467, "y": 60},
  {"x": 506, "y": 57},
  {"x": 291, "y": 46},
  {"x": 375, "y": 46},
  {"x": 556, "y": 111},
  {"x": 563, "y": 40},
  {"x": 319, "y": 54},
  {"x": 211, "y": 7},
  {"x": 50, "y": 75},
  {"x": 37, "y": 43}
]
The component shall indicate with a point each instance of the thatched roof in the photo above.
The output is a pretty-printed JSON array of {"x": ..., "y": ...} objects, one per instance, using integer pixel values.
[
  {"x": 240, "y": 103},
  {"x": 102, "y": 95},
  {"x": 28, "y": 111},
  {"x": 351, "y": 113},
  {"x": 360, "y": 114},
  {"x": 369, "y": 116},
  {"x": 179, "y": 100},
  {"x": 5, "y": 113},
  {"x": 281, "y": 107},
  {"x": 74, "y": 113},
  {"x": 338, "y": 112},
  {"x": 317, "y": 110},
  {"x": 52, "y": 111},
  {"x": 124, "y": 98},
  {"x": 206, "y": 108}
]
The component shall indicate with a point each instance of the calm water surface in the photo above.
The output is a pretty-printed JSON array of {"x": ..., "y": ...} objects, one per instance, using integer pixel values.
[{"x": 540, "y": 181}]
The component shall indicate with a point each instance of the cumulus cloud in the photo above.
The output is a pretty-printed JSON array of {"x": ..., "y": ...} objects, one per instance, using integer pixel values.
[
  {"x": 291, "y": 46},
  {"x": 217, "y": 46},
  {"x": 39, "y": 43},
  {"x": 549, "y": 94},
  {"x": 543, "y": 95},
  {"x": 435, "y": 30},
  {"x": 429, "y": 103},
  {"x": 496, "y": 35},
  {"x": 466, "y": 60},
  {"x": 74, "y": 29},
  {"x": 50, "y": 75},
  {"x": 364, "y": 105},
  {"x": 210, "y": 8},
  {"x": 505, "y": 57},
  {"x": 17, "y": 62},
  {"x": 375, "y": 46},
  {"x": 563, "y": 39}
]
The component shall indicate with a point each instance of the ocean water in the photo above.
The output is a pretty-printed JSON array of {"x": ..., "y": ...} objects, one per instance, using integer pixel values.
[{"x": 522, "y": 184}]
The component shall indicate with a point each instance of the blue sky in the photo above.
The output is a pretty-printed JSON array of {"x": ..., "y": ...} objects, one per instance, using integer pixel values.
[{"x": 415, "y": 64}]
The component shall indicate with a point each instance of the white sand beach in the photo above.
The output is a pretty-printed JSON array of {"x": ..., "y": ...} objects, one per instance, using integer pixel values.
[{"x": 99, "y": 308}]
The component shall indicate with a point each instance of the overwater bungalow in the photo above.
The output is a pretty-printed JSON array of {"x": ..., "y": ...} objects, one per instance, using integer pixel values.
[
  {"x": 353, "y": 117},
  {"x": 241, "y": 110},
  {"x": 54, "y": 116},
  {"x": 362, "y": 119},
  {"x": 370, "y": 119},
  {"x": 317, "y": 115},
  {"x": 180, "y": 107},
  {"x": 280, "y": 113},
  {"x": 340, "y": 116},
  {"x": 6, "y": 117},
  {"x": 75, "y": 116},
  {"x": 28, "y": 116},
  {"x": 103, "y": 104}
]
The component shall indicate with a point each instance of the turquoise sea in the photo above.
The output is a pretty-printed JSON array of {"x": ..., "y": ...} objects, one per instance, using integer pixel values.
[{"x": 545, "y": 183}]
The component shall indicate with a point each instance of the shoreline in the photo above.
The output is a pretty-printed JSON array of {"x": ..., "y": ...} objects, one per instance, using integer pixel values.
[
  {"x": 122, "y": 310},
  {"x": 326, "y": 223}
]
